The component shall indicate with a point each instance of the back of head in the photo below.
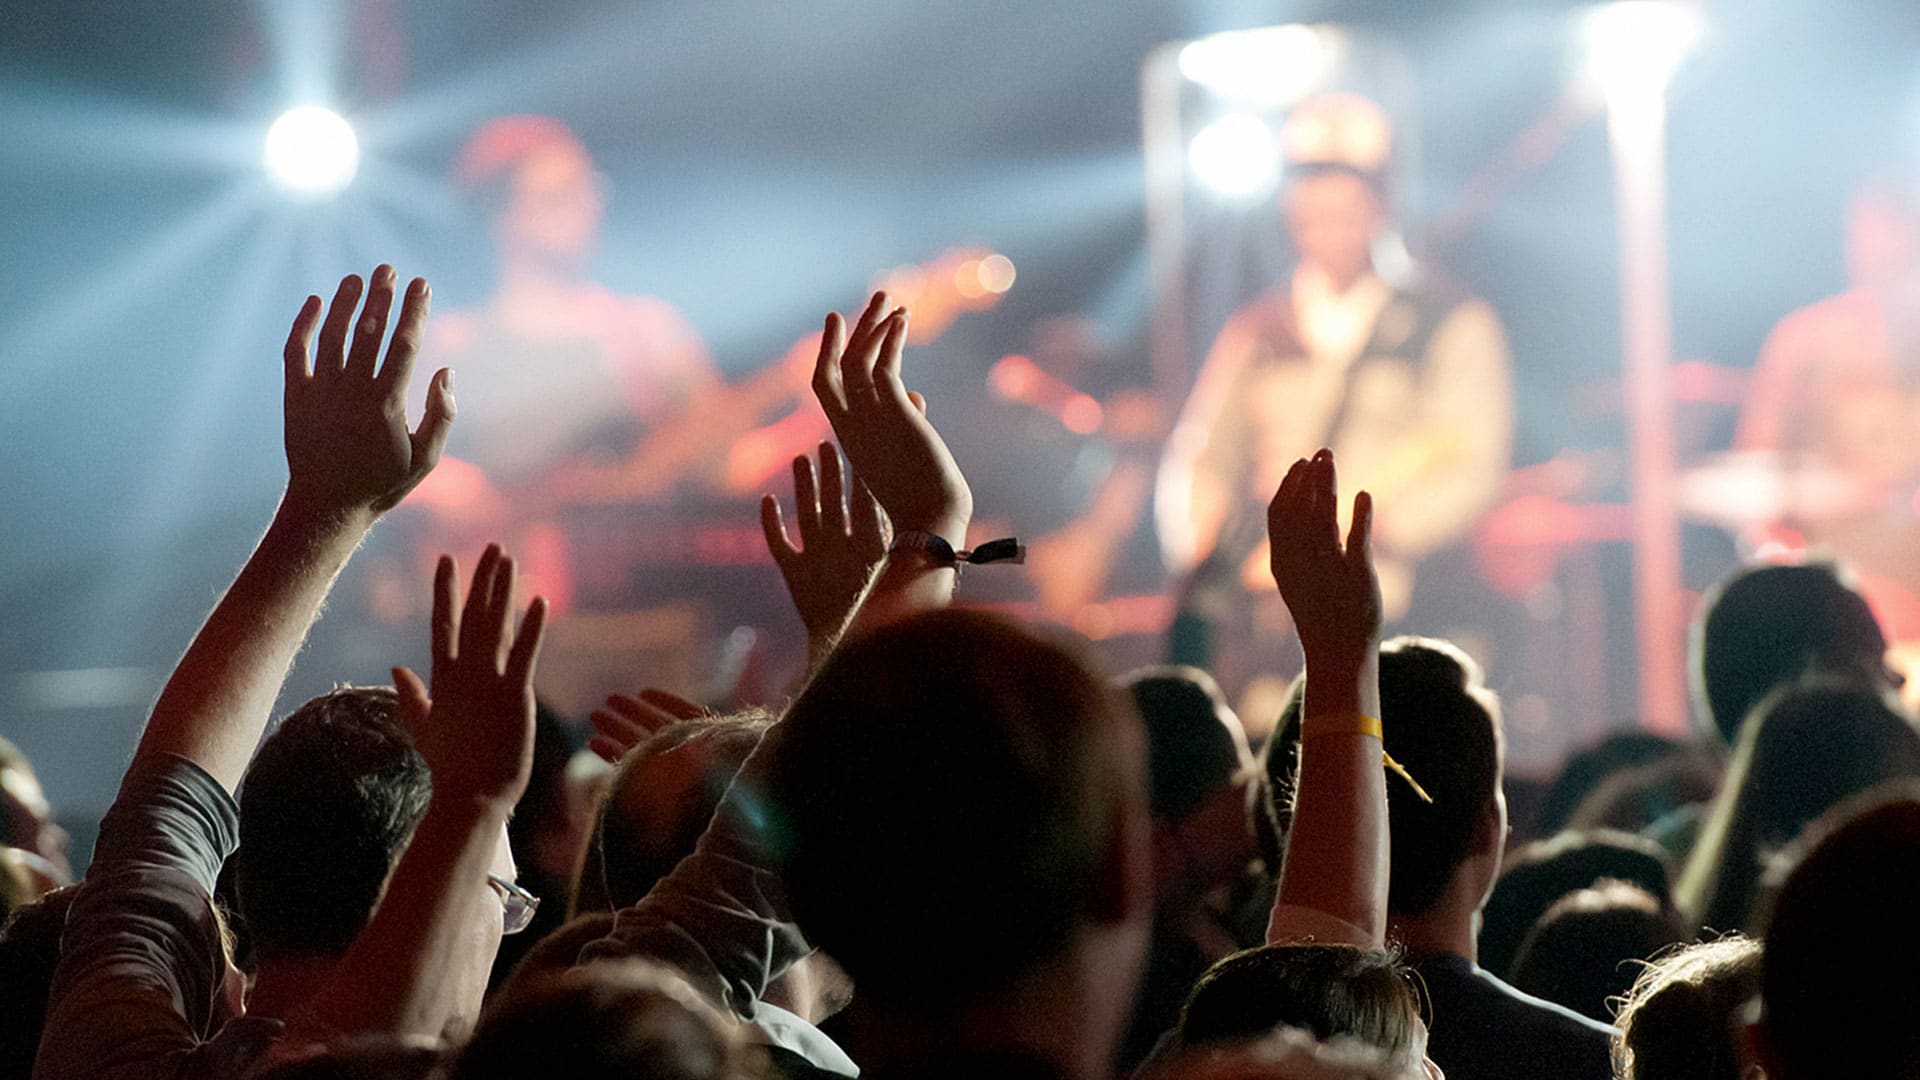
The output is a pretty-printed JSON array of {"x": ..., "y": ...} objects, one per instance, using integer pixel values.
[
  {"x": 1677, "y": 1021},
  {"x": 1586, "y": 769},
  {"x": 1807, "y": 747},
  {"x": 956, "y": 778},
  {"x": 1540, "y": 874},
  {"x": 1837, "y": 949},
  {"x": 1769, "y": 625},
  {"x": 1441, "y": 723},
  {"x": 1582, "y": 952},
  {"x": 29, "y": 949},
  {"x": 1196, "y": 747},
  {"x": 327, "y": 806},
  {"x": 601, "y": 1022},
  {"x": 1331, "y": 991},
  {"x": 662, "y": 796}
]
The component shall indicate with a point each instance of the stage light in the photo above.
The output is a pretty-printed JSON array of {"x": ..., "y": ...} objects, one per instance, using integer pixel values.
[
  {"x": 1270, "y": 67},
  {"x": 312, "y": 151},
  {"x": 1635, "y": 46},
  {"x": 1235, "y": 156},
  {"x": 996, "y": 274}
]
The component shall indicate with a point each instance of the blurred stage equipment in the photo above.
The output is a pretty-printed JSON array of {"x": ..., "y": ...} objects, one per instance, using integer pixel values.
[
  {"x": 1634, "y": 49},
  {"x": 312, "y": 151}
]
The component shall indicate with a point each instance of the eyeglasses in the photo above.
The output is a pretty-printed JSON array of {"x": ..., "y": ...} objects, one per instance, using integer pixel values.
[{"x": 517, "y": 904}]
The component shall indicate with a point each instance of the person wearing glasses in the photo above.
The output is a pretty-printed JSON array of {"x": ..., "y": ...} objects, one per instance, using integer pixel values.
[{"x": 374, "y": 874}]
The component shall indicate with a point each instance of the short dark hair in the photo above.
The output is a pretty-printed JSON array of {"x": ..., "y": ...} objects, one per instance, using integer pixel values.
[
  {"x": 1830, "y": 1009},
  {"x": 611, "y": 1019},
  {"x": 1677, "y": 1021},
  {"x": 1581, "y": 953},
  {"x": 1539, "y": 874},
  {"x": 1764, "y": 626},
  {"x": 957, "y": 774},
  {"x": 29, "y": 949},
  {"x": 1329, "y": 990},
  {"x": 640, "y": 836},
  {"x": 326, "y": 808},
  {"x": 1441, "y": 723},
  {"x": 1195, "y": 745}
]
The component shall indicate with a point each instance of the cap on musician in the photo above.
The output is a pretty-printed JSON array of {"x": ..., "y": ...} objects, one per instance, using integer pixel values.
[{"x": 1335, "y": 149}]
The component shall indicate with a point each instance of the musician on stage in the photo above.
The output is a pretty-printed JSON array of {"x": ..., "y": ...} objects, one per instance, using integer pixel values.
[
  {"x": 1407, "y": 382},
  {"x": 556, "y": 372},
  {"x": 1834, "y": 409}
]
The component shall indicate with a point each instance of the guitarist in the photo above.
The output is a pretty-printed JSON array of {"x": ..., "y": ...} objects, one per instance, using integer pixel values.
[{"x": 1408, "y": 385}]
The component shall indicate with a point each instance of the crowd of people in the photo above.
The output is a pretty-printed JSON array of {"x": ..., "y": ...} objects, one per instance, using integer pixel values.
[{"x": 961, "y": 848}]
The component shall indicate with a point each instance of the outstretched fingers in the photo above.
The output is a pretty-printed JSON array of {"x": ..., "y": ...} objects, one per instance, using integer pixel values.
[
  {"x": 1360, "y": 532},
  {"x": 446, "y": 625},
  {"x": 408, "y": 334},
  {"x": 329, "y": 360},
  {"x": 806, "y": 499},
  {"x": 300, "y": 344},
  {"x": 827, "y": 388},
  {"x": 863, "y": 350},
  {"x": 473, "y": 616},
  {"x": 371, "y": 329},
  {"x": 773, "y": 524},
  {"x": 526, "y": 645}
]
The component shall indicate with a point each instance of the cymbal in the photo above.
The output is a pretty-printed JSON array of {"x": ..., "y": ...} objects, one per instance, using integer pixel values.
[{"x": 1748, "y": 488}]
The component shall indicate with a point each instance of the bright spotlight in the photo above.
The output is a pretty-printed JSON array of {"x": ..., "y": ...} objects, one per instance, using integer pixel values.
[
  {"x": 1269, "y": 68},
  {"x": 312, "y": 151},
  {"x": 1635, "y": 46},
  {"x": 1235, "y": 156}
]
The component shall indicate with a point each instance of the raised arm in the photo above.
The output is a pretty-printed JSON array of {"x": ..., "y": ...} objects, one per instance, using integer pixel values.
[
  {"x": 1333, "y": 878},
  {"x": 350, "y": 457},
  {"x": 894, "y": 449},
  {"x": 843, "y": 538},
  {"x": 476, "y": 733}
]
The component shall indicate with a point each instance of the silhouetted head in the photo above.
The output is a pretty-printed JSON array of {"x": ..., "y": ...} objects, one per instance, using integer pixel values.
[
  {"x": 957, "y": 779},
  {"x": 1807, "y": 747},
  {"x": 1583, "y": 952},
  {"x": 1836, "y": 954},
  {"x": 1200, "y": 771},
  {"x": 1538, "y": 875},
  {"x": 327, "y": 806},
  {"x": 1678, "y": 1020},
  {"x": 1329, "y": 990},
  {"x": 1765, "y": 626}
]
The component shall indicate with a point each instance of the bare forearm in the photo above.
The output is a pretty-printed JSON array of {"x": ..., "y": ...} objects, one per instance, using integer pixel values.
[
  {"x": 1337, "y": 850},
  {"x": 392, "y": 979},
  {"x": 221, "y": 695}
]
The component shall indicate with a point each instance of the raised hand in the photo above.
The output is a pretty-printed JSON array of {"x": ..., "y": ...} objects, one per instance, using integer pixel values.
[
  {"x": 348, "y": 447},
  {"x": 843, "y": 537},
  {"x": 625, "y": 722},
  {"x": 476, "y": 730},
  {"x": 1330, "y": 591},
  {"x": 884, "y": 428}
]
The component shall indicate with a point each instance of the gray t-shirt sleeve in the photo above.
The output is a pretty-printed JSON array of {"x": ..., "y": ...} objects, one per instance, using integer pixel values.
[{"x": 137, "y": 988}]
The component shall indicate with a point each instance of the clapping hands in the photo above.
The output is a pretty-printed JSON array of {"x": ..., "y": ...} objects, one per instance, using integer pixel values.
[
  {"x": 348, "y": 447},
  {"x": 1330, "y": 590},
  {"x": 884, "y": 429},
  {"x": 476, "y": 730}
]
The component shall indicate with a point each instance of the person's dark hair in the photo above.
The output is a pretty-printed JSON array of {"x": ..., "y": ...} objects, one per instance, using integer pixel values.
[
  {"x": 1195, "y": 745},
  {"x": 1586, "y": 769},
  {"x": 662, "y": 796},
  {"x": 1636, "y": 799},
  {"x": 327, "y": 806},
  {"x": 1764, "y": 626},
  {"x": 952, "y": 771},
  {"x": 1329, "y": 990},
  {"x": 1582, "y": 952},
  {"x": 1676, "y": 1022},
  {"x": 1807, "y": 747},
  {"x": 603, "y": 1021},
  {"x": 1829, "y": 1007},
  {"x": 1541, "y": 873},
  {"x": 1441, "y": 723},
  {"x": 29, "y": 949}
]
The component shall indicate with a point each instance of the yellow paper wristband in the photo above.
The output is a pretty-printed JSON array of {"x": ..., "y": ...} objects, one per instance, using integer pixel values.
[
  {"x": 1355, "y": 724},
  {"x": 1358, "y": 724}
]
